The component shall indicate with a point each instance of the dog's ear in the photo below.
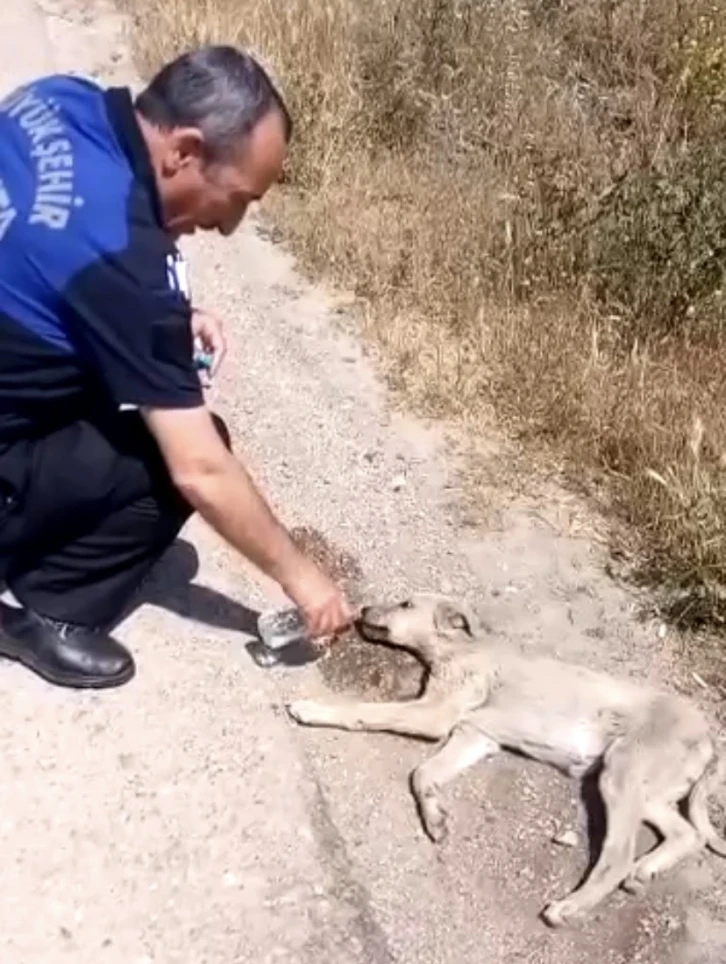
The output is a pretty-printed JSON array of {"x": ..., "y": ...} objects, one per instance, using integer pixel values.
[{"x": 455, "y": 619}]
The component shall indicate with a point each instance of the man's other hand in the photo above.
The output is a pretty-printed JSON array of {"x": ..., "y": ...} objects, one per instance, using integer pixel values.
[{"x": 208, "y": 333}]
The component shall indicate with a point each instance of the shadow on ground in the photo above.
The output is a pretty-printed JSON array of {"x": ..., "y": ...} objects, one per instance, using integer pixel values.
[{"x": 171, "y": 587}]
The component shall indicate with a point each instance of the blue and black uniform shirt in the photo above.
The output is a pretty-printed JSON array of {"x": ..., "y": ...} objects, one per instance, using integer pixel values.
[{"x": 94, "y": 313}]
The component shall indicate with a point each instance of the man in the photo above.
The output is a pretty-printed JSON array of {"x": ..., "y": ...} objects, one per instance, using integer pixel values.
[{"x": 106, "y": 445}]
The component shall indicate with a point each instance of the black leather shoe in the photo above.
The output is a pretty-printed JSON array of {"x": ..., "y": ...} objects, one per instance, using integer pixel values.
[{"x": 61, "y": 653}]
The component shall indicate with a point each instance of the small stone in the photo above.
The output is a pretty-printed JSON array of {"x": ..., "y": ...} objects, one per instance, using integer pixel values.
[
  {"x": 231, "y": 880},
  {"x": 566, "y": 838},
  {"x": 398, "y": 483}
]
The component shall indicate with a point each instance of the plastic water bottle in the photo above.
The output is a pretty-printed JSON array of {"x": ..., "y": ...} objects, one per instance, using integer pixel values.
[
  {"x": 282, "y": 639},
  {"x": 203, "y": 361}
]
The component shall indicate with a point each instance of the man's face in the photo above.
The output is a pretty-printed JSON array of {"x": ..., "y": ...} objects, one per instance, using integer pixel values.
[{"x": 214, "y": 196}]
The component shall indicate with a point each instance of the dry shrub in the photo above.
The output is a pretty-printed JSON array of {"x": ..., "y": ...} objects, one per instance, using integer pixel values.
[{"x": 530, "y": 199}]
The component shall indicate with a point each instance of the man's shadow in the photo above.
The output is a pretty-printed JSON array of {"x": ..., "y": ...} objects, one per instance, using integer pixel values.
[{"x": 170, "y": 586}]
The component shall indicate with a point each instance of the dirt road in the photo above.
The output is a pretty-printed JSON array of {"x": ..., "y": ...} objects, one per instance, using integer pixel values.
[{"x": 183, "y": 819}]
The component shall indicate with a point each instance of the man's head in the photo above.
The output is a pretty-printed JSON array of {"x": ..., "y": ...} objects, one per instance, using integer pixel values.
[{"x": 217, "y": 131}]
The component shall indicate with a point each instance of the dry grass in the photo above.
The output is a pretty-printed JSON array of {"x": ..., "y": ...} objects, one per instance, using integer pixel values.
[{"x": 530, "y": 199}]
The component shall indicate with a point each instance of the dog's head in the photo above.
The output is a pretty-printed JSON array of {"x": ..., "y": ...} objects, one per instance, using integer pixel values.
[{"x": 421, "y": 624}]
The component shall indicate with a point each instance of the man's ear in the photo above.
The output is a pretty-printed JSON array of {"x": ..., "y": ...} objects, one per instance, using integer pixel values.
[
  {"x": 456, "y": 619},
  {"x": 184, "y": 147}
]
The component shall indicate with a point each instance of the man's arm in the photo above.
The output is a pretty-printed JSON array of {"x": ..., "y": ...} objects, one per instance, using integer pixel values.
[
  {"x": 217, "y": 485},
  {"x": 134, "y": 332}
]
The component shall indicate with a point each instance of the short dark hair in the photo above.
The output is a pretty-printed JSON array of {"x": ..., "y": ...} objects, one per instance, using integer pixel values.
[{"x": 220, "y": 90}]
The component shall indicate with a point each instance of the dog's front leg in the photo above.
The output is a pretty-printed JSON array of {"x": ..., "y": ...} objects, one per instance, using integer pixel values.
[
  {"x": 465, "y": 747},
  {"x": 427, "y": 719}
]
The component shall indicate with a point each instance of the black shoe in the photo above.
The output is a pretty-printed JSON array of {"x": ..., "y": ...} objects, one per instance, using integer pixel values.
[{"x": 61, "y": 653}]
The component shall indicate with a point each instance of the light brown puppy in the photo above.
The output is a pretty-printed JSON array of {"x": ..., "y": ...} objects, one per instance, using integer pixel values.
[{"x": 653, "y": 749}]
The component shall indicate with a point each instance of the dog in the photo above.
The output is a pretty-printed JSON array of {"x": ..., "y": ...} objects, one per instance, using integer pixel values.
[{"x": 650, "y": 750}]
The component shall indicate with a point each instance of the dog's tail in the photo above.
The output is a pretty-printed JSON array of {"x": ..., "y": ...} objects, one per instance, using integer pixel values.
[{"x": 706, "y": 784}]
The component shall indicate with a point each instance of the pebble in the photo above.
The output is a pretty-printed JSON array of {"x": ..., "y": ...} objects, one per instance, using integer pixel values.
[{"x": 566, "y": 838}]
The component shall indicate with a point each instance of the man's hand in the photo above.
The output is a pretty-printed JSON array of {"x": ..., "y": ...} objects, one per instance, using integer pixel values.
[
  {"x": 208, "y": 333},
  {"x": 322, "y": 603}
]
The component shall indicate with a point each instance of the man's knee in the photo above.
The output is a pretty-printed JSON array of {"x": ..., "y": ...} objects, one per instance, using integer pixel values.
[{"x": 223, "y": 431}]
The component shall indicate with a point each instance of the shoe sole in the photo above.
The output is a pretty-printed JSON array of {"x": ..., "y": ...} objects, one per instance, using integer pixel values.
[{"x": 9, "y": 650}]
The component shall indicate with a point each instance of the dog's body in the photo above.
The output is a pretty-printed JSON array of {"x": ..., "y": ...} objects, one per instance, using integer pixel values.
[{"x": 654, "y": 749}]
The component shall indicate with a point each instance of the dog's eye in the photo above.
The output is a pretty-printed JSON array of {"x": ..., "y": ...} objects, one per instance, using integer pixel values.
[
  {"x": 406, "y": 605},
  {"x": 459, "y": 621}
]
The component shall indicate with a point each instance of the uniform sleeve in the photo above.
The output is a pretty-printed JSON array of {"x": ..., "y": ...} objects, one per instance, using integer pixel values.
[{"x": 131, "y": 325}]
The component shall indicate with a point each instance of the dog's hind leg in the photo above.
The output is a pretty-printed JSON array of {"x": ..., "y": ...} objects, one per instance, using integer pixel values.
[
  {"x": 465, "y": 747},
  {"x": 680, "y": 840},
  {"x": 698, "y": 805},
  {"x": 620, "y": 792}
]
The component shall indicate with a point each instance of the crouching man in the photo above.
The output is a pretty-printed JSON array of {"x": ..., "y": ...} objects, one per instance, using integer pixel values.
[{"x": 106, "y": 444}]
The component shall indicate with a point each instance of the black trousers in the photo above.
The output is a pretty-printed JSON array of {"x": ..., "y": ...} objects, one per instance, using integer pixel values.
[{"x": 84, "y": 514}]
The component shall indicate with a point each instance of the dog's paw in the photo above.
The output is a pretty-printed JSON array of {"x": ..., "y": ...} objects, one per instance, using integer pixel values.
[
  {"x": 437, "y": 832},
  {"x": 560, "y": 913},
  {"x": 634, "y": 885},
  {"x": 303, "y": 711},
  {"x": 641, "y": 876},
  {"x": 436, "y": 823}
]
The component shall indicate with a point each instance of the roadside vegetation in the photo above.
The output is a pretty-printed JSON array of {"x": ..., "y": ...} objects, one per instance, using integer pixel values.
[{"x": 529, "y": 200}]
